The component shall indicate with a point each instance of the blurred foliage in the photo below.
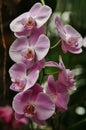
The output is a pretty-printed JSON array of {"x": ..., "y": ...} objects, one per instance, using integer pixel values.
[{"x": 68, "y": 120}]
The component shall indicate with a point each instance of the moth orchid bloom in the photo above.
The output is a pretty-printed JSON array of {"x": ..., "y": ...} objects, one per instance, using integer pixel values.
[
  {"x": 36, "y": 17},
  {"x": 33, "y": 104},
  {"x": 60, "y": 98},
  {"x": 65, "y": 77},
  {"x": 22, "y": 79},
  {"x": 71, "y": 39},
  {"x": 29, "y": 50}
]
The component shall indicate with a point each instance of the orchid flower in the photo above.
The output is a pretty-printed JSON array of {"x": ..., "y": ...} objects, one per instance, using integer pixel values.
[
  {"x": 60, "y": 98},
  {"x": 71, "y": 39},
  {"x": 66, "y": 76},
  {"x": 33, "y": 104},
  {"x": 29, "y": 50},
  {"x": 36, "y": 17},
  {"x": 23, "y": 79}
]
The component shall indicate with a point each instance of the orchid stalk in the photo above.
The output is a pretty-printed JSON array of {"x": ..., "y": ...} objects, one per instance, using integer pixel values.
[{"x": 43, "y": 2}]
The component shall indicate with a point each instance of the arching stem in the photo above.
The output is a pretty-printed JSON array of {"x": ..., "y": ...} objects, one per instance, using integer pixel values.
[
  {"x": 43, "y": 2},
  {"x": 52, "y": 47}
]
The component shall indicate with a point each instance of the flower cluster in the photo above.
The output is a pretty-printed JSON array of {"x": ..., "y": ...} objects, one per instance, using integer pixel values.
[{"x": 28, "y": 52}]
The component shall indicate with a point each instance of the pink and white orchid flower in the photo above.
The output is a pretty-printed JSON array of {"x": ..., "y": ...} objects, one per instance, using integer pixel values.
[
  {"x": 23, "y": 79},
  {"x": 33, "y": 104},
  {"x": 29, "y": 50},
  {"x": 36, "y": 17},
  {"x": 71, "y": 39},
  {"x": 66, "y": 76}
]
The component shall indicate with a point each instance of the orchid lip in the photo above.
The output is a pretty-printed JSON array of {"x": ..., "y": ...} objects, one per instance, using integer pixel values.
[
  {"x": 29, "y": 54},
  {"x": 30, "y": 23},
  {"x": 53, "y": 96},
  {"x": 20, "y": 84},
  {"x": 71, "y": 41},
  {"x": 29, "y": 110}
]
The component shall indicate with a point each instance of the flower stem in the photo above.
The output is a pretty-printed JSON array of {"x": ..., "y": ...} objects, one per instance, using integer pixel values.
[
  {"x": 52, "y": 47},
  {"x": 43, "y": 2},
  {"x": 51, "y": 73}
]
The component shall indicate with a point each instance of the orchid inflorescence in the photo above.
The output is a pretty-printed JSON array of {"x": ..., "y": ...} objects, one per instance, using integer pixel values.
[{"x": 28, "y": 52}]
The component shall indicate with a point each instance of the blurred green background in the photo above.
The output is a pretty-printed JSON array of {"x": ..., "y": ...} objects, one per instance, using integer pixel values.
[{"x": 71, "y": 12}]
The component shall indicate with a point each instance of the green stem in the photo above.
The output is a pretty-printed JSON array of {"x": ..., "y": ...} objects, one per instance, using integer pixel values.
[
  {"x": 43, "y": 2},
  {"x": 52, "y": 73},
  {"x": 52, "y": 47}
]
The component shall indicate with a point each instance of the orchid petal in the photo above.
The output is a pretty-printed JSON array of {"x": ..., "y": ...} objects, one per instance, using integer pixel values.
[
  {"x": 42, "y": 46},
  {"x": 60, "y": 27},
  {"x": 70, "y": 30},
  {"x": 40, "y": 122},
  {"x": 35, "y": 9},
  {"x": 44, "y": 107},
  {"x": 18, "y": 116},
  {"x": 17, "y": 70},
  {"x": 43, "y": 15},
  {"x": 32, "y": 78},
  {"x": 62, "y": 101},
  {"x": 18, "y": 104},
  {"x": 51, "y": 88},
  {"x": 36, "y": 32},
  {"x": 16, "y": 48},
  {"x": 17, "y": 25}
]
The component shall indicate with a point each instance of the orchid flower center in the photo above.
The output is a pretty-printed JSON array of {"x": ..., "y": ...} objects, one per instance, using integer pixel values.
[
  {"x": 53, "y": 96},
  {"x": 71, "y": 40},
  {"x": 29, "y": 109},
  {"x": 20, "y": 83},
  {"x": 31, "y": 23},
  {"x": 29, "y": 54}
]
